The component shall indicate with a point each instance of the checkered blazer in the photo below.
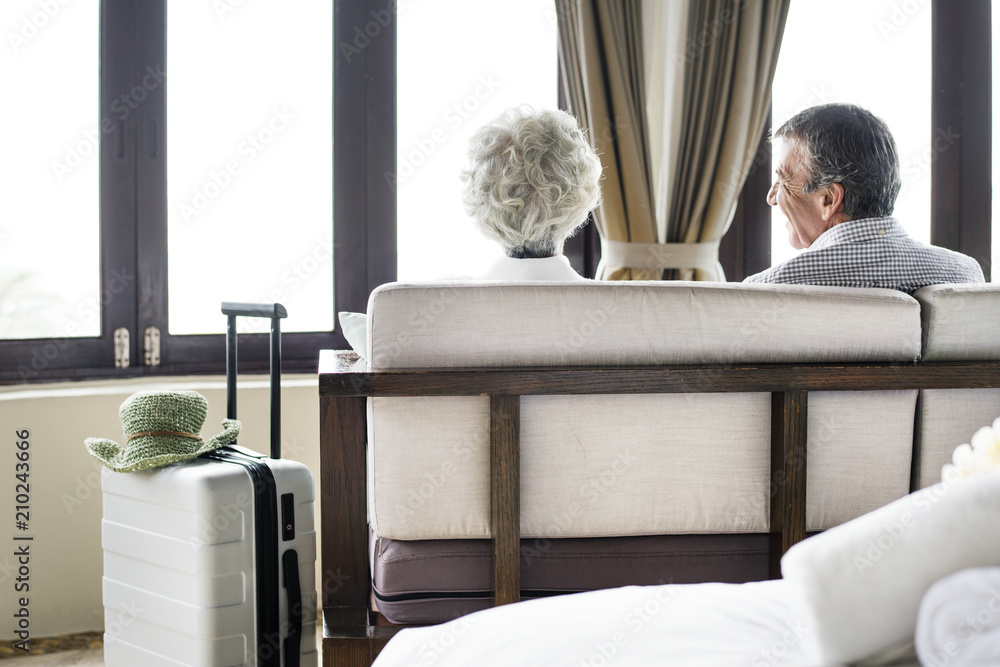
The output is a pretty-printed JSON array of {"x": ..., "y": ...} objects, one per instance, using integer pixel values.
[{"x": 874, "y": 252}]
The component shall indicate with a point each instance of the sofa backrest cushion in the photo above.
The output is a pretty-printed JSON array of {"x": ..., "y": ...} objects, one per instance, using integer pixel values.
[
  {"x": 960, "y": 322},
  {"x": 946, "y": 418},
  {"x": 498, "y": 324},
  {"x": 630, "y": 464}
]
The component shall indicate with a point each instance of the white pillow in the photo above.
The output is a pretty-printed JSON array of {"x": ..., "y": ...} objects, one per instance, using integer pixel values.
[
  {"x": 355, "y": 329},
  {"x": 860, "y": 584}
]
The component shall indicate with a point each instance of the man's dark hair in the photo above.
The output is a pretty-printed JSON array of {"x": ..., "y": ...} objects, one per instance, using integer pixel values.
[{"x": 846, "y": 144}]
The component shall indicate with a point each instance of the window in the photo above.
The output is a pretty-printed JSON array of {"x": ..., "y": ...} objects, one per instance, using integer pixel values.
[
  {"x": 102, "y": 242},
  {"x": 250, "y": 172},
  {"x": 49, "y": 216},
  {"x": 438, "y": 114}
]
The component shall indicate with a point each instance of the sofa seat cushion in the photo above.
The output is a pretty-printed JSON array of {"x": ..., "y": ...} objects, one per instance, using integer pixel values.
[{"x": 432, "y": 581}]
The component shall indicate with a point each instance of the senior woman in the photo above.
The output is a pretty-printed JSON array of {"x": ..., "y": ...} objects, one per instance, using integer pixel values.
[{"x": 531, "y": 182}]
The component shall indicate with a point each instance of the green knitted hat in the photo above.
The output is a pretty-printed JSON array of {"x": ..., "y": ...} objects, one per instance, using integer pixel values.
[{"x": 161, "y": 427}]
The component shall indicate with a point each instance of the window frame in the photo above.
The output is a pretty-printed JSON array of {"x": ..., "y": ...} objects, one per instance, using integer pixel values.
[
  {"x": 58, "y": 358},
  {"x": 133, "y": 234},
  {"x": 133, "y": 188}
]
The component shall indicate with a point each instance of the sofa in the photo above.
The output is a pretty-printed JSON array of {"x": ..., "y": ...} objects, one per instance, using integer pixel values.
[{"x": 507, "y": 440}]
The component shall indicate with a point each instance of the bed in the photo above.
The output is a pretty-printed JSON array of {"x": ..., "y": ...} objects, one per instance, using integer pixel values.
[
  {"x": 701, "y": 625},
  {"x": 926, "y": 566}
]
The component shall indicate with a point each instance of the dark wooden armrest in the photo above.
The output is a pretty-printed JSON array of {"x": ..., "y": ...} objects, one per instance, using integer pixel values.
[{"x": 341, "y": 361}]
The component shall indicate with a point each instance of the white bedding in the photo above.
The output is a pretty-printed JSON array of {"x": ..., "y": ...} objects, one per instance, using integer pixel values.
[{"x": 697, "y": 625}]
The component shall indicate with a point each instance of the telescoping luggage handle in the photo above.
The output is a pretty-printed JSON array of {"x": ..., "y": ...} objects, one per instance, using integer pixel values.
[
  {"x": 269, "y": 627},
  {"x": 274, "y": 312}
]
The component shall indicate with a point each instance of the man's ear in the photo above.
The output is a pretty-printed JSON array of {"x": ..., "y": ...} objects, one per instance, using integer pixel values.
[{"x": 832, "y": 203}]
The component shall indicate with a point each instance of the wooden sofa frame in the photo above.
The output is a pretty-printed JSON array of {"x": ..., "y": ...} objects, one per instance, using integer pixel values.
[{"x": 351, "y": 636}]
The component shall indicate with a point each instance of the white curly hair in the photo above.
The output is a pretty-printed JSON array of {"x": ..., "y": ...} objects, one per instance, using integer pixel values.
[{"x": 531, "y": 181}]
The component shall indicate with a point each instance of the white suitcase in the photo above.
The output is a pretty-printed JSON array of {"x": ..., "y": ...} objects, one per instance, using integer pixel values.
[{"x": 212, "y": 562}]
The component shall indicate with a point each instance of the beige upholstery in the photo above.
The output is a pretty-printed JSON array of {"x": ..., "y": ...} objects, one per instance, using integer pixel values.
[
  {"x": 600, "y": 465},
  {"x": 586, "y": 323},
  {"x": 630, "y": 465},
  {"x": 960, "y": 323},
  {"x": 859, "y": 450},
  {"x": 947, "y": 418}
]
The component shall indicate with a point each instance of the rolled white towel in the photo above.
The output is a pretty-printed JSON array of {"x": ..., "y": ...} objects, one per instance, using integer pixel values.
[
  {"x": 959, "y": 620},
  {"x": 861, "y": 583}
]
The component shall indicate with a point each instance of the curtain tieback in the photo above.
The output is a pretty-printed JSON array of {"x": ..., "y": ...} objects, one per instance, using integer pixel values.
[{"x": 625, "y": 255}]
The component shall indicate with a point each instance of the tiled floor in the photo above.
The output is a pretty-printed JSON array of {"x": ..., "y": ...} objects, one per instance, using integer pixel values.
[
  {"x": 81, "y": 650},
  {"x": 93, "y": 657}
]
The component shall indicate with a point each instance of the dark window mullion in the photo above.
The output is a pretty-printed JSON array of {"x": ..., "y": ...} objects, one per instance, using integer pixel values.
[
  {"x": 151, "y": 169},
  {"x": 364, "y": 133},
  {"x": 746, "y": 247},
  {"x": 49, "y": 359},
  {"x": 961, "y": 115},
  {"x": 380, "y": 131},
  {"x": 117, "y": 180}
]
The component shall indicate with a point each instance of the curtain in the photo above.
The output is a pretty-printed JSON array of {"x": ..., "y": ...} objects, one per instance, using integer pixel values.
[
  {"x": 730, "y": 58},
  {"x": 667, "y": 205},
  {"x": 600, "y": 44}
]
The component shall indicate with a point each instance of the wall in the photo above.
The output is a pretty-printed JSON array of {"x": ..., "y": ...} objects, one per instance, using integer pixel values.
[{"x": 65, "y": 516}]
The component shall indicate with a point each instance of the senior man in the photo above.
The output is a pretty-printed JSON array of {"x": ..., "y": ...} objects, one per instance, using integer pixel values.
[{"x": 836, "y": 184}]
